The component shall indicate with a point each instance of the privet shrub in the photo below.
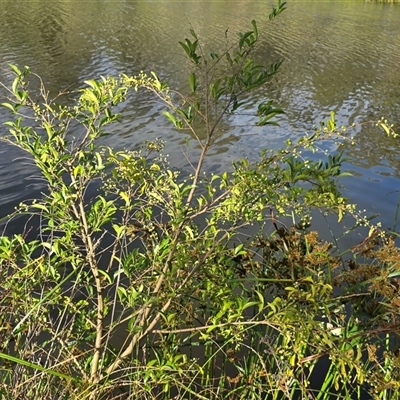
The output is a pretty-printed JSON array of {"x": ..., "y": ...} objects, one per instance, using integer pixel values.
[{"x": 126, "y": 295}]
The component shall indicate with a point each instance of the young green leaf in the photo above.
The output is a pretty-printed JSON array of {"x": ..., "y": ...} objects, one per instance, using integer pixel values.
[{"x": 193, "y": 82}]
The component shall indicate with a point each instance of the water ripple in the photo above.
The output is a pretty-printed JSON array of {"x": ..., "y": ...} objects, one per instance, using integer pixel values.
[{"x": 340, "y": 56}]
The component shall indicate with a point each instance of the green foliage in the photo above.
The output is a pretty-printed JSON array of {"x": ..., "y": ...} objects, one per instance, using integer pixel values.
[{"x": 125, "y": 294}]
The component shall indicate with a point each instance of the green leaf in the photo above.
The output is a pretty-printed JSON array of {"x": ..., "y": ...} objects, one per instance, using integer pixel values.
[
  {"x": 14, "y": 86},
  {"x": 238, "y": 250},
  {"x": 243, "y": 39},
  {"x": 177, "y": 122},
  {"x": 254, "y": 23},
  {"x": 277, "y": 10},
  {"x": 122, "y": 294},
  {"x": 261, "y": 301},
  {"x": 125, "y": 197},
  {"x": 119, "y": 230},
  {"x": 40, "y": 207},
  {"x": 170, "y": 116},
  {"x": 93, "y": 84},
  {"x": 15, "y": 69},
  {"x": 193, "y": 33},
  {"x": 106, "y": 276},
  {"x": 186, "y": 48},
  {"x": 90, "y": 97},
  {"x": 99, "y": 165},
  {"x": 36, "y": 367},
  {"x": 193, "y": 82},
  {"x": 10, "y": 106}
]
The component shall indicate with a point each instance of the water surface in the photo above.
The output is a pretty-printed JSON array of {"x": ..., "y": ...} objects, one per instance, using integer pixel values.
[{"x": 340, "y": 56}]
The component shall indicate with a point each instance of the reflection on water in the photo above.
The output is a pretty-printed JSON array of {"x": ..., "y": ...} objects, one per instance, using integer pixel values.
[{"x": 337, "y": 56}]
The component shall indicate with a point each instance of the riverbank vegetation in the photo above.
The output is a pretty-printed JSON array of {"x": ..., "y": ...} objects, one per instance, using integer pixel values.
[{"x": 133, "y": 280}]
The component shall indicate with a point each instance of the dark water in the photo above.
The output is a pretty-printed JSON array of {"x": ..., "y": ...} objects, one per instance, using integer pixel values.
[{"x": 341, "y": 56}]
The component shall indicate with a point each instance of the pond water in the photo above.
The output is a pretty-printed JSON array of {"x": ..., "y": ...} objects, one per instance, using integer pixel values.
[{"x": 340, "y": 56}]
